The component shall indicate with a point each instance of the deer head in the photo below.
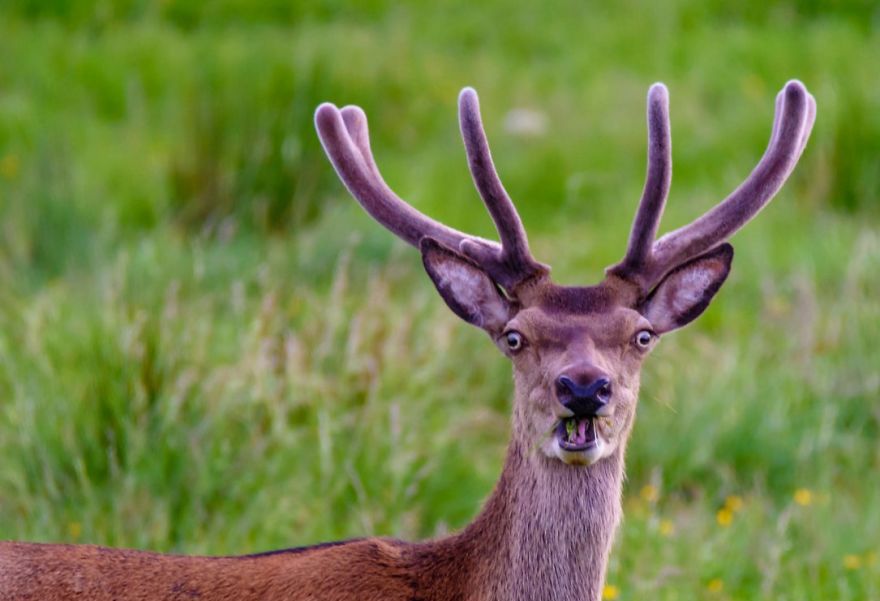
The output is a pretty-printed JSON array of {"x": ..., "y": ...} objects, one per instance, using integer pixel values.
[{"x": 576, "y": 351}]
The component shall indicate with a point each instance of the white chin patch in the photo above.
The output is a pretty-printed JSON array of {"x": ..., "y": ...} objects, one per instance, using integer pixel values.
[{"x": 585, "y": 457}]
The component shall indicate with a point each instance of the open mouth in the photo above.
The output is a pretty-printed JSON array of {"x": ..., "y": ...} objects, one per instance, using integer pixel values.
[{"x": 577, "y": 433}]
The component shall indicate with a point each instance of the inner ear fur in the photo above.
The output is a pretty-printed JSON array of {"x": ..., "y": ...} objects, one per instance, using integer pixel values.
[
  {"x": 685, "y": 292},
  {"x": 465, "y": 287}
]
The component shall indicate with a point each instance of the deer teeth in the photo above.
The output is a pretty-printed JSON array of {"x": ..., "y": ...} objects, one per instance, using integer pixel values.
[{"x": 575, "y": 430}]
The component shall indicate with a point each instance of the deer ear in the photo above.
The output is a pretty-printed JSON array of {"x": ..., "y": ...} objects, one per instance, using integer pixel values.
[
  {"x": 466, "y": 288},
  {"x": 686, "y": 292}
]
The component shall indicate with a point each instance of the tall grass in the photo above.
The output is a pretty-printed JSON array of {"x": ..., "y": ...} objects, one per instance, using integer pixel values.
[{"x": 206, "y": 347}]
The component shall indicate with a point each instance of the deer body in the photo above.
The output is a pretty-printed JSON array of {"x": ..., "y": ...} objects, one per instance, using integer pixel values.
[
  {"x": 499, "y": 556},
  {"x": 496, "y": 557},
  {"x": 546, "y": 531}
]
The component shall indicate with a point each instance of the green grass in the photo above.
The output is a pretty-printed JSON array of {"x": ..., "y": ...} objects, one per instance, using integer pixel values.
[{"x": 206, "y": 347}]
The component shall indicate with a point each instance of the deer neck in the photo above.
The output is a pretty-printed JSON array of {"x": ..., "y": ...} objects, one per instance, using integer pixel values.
[{"x": 546, "y": 531}]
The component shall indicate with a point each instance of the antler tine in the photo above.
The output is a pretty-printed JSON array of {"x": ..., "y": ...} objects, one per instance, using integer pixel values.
[
  {"x": 808, "y": 125},
  {"x": 514, "y": 263},
  {"x": 345, "y": 137},
  {"x": 657, "y": 180},
  {"x": 811, "y": 118},
  {"x": 355, "y": 121},
  {"x": 514, "y": 242},
  {"x": 795, "y": 114}
]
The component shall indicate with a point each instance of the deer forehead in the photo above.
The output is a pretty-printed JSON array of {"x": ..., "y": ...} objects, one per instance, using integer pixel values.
[{"x": 555, "y": 329}]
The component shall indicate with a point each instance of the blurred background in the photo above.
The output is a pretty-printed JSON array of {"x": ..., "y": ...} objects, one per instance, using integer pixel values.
[{"x": 207, "y": 347}]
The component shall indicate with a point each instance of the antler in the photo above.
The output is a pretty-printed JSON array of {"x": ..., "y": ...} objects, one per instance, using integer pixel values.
[
  {"x": 657, "y": 181},
  {"x": 646, "y": 261},
  {"x": 345, "y": 138}
]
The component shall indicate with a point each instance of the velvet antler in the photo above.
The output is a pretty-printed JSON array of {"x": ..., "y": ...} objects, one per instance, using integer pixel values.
[
  {"x": 345, "y": 138},
  {"x": 644, "y": 228},
  {"x": 645, "y": 262}
]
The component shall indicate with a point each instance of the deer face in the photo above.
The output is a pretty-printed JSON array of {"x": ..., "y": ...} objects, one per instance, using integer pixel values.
[
  {"x": 577, "y": 378},
  {"x": 576, "y": 352}
]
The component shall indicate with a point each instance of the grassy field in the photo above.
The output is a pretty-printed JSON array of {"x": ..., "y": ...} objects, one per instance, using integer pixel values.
[{"x": 206, "y": 347}]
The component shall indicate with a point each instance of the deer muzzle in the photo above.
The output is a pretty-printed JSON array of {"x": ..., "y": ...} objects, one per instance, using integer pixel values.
[{"x": 583, "y": 400}]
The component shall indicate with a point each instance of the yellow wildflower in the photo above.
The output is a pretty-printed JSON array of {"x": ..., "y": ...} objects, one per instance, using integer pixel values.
[
  {"x": 716, "y": 585},
  {"x": 734, "y": 503},
  {"x": 852, "y": 562},
  {"x": 724, "y": 517},
  {"x": 803, "y": 497},
  {"x": 649, "y": 493},
  {"x": 74, "y": 529},
  {"x": 667, "y": 528},
  {"x": 9, "y": 166},
  {"x": 610, "y": 592}
]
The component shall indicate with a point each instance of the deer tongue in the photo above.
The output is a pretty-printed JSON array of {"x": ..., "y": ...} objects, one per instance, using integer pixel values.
[
  {"x": 586, "y": 430},
  {"x": 581, "y": 432}
]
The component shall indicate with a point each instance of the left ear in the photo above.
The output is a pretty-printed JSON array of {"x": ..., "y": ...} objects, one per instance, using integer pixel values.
[
  {"x": 466, "y": 288},
  {"x": 686, "y": 292}
]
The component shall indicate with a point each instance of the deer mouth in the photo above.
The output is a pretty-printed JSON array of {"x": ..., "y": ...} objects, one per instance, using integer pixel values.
[{"x": 577, "y": 433}]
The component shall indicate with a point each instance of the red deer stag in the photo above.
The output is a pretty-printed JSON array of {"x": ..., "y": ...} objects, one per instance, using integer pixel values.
[{"x": 546, "y": 531}]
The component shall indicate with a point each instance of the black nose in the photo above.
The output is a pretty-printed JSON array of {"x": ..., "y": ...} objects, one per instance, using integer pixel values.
[{"x": 583, "y": 400}]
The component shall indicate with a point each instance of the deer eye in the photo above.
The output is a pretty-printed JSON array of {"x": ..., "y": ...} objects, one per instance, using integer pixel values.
[
  {"x": 514, "y": 340},
  {"x": 643, "y": 338}
]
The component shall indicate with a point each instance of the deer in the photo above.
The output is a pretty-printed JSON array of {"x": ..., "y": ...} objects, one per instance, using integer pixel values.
[{"x": 546, "y": 531}]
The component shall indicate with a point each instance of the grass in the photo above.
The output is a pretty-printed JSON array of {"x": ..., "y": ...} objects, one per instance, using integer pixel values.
[{"x": 205, "y": 347}]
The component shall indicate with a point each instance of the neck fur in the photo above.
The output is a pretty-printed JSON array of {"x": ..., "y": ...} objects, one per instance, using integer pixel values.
[
  {"x": 544, "y": 534},
  {"x": 546, "y": 531}
]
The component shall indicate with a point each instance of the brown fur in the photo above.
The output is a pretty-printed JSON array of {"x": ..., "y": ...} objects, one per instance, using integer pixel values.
[
  {"x": 546, "y": 531},
  {"x": 501, "y": 555}
]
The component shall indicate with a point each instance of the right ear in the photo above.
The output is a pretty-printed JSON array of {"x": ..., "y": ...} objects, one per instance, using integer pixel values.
[
  {"x": 686, "y": 292},
  {"x": 466, "y": 288}
]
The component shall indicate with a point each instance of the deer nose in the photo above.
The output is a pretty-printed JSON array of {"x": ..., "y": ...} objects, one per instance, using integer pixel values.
[{"x": 583, "y": 399}]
